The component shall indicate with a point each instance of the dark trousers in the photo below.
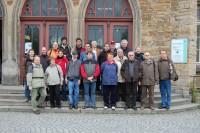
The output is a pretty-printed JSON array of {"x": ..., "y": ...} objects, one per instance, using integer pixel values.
[
  {"x": 131, "y": 94},
  {"x": 54, "y": 91},
  {"x": 109, "y": 95},
  {"x": 147, "y": 89},
  {"x": 121, "y": 91},
  {"x": 139, "y": 93}
]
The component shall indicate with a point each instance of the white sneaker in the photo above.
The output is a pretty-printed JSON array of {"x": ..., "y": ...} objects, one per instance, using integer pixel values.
[
  {"x": 113, "y": 107},
  {"x": 105, "y": 107}
]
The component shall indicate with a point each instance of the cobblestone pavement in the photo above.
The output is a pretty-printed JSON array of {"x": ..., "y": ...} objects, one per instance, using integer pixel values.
[{"x": 186, "y": 122}]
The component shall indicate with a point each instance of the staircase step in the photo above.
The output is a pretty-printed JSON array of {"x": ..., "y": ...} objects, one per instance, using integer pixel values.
[
  {"x": 100, "y": 110},
  {"x": 157, "y": 97},
  {"x": 13, "y": 102}
]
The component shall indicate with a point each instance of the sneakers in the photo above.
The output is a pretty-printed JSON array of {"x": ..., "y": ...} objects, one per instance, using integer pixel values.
[
  {"x": 113, "y": 107},
  {"x": 37, "y": 112},
  {"x": 105, "y": 107}
]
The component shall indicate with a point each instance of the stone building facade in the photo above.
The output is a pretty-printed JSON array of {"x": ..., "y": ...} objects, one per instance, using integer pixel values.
[{"x": 154, "y": 23}]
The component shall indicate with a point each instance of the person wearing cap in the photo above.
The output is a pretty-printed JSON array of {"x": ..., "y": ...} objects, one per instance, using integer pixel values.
[
  {"x": 90, "y": 71},
  {"x": 113, "y": 48},
  {"x": 73, "y": 80},
  {"x": 65, "y": 47}
]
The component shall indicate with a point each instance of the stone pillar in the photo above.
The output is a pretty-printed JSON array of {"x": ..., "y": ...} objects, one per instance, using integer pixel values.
[
  {"x": 184, "y": 26},
  {"x": 10, "y": 69}
]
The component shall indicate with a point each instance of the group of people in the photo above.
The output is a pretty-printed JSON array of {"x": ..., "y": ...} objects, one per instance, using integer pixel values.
[{"x": 122, "y": 74}]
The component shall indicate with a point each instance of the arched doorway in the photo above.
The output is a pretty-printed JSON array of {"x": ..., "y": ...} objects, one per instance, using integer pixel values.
[
  {"x": 42, "y": 23},
  {"x": 1, "y": 22},
  {"x": 109, "y": 20}
]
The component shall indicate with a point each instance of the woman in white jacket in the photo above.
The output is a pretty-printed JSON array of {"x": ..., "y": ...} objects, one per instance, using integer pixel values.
[
  {"x": 54, "y": 80},
  {"x": 119, "y": 60}
]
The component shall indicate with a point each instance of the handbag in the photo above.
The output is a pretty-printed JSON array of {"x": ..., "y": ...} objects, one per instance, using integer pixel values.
[{"x": 173, "y": 74}]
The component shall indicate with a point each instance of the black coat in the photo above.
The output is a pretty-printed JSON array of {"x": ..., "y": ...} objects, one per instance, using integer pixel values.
[
  {"x": 126, "y": 74},
  {"x": 44, "y": 60}
]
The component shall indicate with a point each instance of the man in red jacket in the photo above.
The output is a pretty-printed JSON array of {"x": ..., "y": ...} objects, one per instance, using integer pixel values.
[
  {"x": 90, "y": 71},
  {"x": 62, "y": 61}
]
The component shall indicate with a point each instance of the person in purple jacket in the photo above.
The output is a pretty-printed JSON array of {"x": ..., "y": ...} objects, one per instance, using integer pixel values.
[{"x": 109, "y": 81}]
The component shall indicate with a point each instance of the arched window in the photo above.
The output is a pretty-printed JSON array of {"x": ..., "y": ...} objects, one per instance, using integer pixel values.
[
  {"x": 44, "y": 8},
  {"x": 109, "y": 8},
  {"x": 108, "y": 20}
]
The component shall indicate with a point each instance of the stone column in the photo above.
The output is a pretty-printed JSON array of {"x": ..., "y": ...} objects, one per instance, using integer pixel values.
[{"x": 10, "y": 69}]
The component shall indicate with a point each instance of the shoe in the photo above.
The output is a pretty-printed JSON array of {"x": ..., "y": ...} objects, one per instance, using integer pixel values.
[
  {"x": 85, "y": 107},
  {"x": 167, "y": 108},
  {"x": 113, "y": 107},
  {"x": 94, "y": 107},
  {"x": 27, "y": 100},
  {"x": 162, "y": 107},
  {"x": 52, "y": 106},
  {"x": 126, "y": 107},
  {"x": 70, "y": 106},
  {"x": 151, "y": 107},
  {"x": 105, "y": 107},
  {"x": 76, "y": 107},
  {"x": 40, "y": 106},
  {"x": 134, "y": 108},
  {"x": 58, "y": 106},
  {"x": 142, "y": 108},
  {"x": 37, "y": 112}
]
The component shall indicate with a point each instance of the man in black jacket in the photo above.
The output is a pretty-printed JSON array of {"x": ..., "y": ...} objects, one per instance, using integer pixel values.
[
  {"x": 140, "y": 57},
  {"x": 130, "y": 71}
]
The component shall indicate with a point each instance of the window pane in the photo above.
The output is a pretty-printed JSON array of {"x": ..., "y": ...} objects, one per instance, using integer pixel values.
[
  {"x": 31, "y": 34},
  {"x": 44, "y": 7},
  {"x": 96, "y": 33},
  {"x": 99, "y": 7},
  {"x": 119, "y": 33},
  {"x": 91, "y": 8},
  {"x": 53, "y": 8},
  {"x": 56, "y": 32},
  {"x": 108, "y": 8},
  {"x": 118, "y": 6},
  {"x": 61, "y": 9},
  {"x": 35, "y": 7}
]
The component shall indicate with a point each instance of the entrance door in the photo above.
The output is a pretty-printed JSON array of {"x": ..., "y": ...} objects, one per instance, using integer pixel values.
[
  {"x": 39, "y": 34},
  {"x": 108, "y": 31},
  {"x": 0, "y": 50}
]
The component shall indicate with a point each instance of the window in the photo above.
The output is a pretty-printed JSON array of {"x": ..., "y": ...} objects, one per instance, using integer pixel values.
[
  {"x": 108, "y": 8},
  {"x": 44, "y": 8}
]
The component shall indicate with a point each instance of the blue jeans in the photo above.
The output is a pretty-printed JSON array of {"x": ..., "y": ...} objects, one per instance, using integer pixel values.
[
  {"x": 73, "y": 92},
  {"x": 165, "y": 90},
  {"x": 64, "y": 91},
  {"x": 89, "y": 94},
  {"x": 27, "y": 92}
]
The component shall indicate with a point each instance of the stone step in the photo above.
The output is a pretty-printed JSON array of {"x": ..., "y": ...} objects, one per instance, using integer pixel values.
[
  {"x": 174, "y": 109},
  {"x": 13, "y": 102},
  {"x": 98, "y": 97}
]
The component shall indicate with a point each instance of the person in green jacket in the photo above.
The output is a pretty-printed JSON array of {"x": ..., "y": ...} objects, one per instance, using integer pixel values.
[{"x": 36, "y": 83}]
